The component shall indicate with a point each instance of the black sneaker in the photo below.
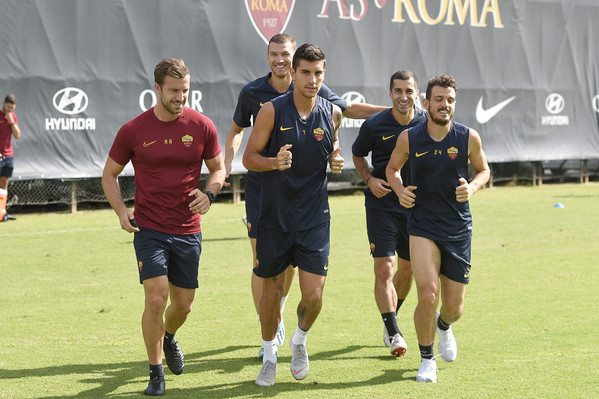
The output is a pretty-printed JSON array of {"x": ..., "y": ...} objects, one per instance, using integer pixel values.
[
  {"x": 156, "y": 386},
  {"x": 8, "y": 217},
  {"x": 174, "y": 357}
]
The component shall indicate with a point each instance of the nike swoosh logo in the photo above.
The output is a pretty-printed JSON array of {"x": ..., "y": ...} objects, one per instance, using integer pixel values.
[
  {"x": 298, "y": 371},
  {"x": 387, "y": 137},
  {"x": 261, "y": 103},
  {"x": 484, "y": 115},
  {"x": 285, "y": 128},
  {"x": 150, "y": 143},
  {"x": 419, "y": 154}
]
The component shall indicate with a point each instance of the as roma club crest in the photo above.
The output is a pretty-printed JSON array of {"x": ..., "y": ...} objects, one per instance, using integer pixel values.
[
  {"x": 187, "y": 140},
  {"x": 452, "y": 152},
  {"x": 269, "y": 17},
  {"x": 319, "y": 133}
]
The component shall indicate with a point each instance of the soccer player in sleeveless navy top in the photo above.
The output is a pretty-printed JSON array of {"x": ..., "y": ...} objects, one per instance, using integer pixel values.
[
  {"x": 440, "y": 223},
  {"x": 386, "y": 219},
  {"x": 252, "y": 97},
  {"x": 293, "y": 140}
]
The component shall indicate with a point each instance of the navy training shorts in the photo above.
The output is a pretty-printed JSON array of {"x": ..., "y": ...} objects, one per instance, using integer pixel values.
[
  {"x": 253, "y": 185},
  {"x": 387, "y": 233},
  {"x": 455, "y": 259},
  {"x": 7, "y": 165},
  {"x": 176, "y": 256},
  {"x": 307, "y": 249}
]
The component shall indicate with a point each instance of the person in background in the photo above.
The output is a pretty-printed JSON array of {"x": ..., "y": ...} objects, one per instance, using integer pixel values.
[
  {"x": 386, "y": 219},
  {"x": 9, "y": 128}
]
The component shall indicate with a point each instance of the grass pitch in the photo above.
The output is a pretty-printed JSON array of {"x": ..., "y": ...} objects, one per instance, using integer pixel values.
[{"x": 71, "y": 309}]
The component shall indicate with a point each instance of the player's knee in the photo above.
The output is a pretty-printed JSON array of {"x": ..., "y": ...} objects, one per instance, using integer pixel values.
[
  {"x": 156, "y": 304},
  {"x": 312, "y": 299}
]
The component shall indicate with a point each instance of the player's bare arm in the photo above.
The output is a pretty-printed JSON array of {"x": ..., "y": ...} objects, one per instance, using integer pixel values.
[
  {"x": 399, "y": 157},
  {"x": 379, "y": 187},
  {"x": 112, "y": 190},
  {"x": 336, "y": 161},
  {"x": 216, "y": 179},
  {"x": 232, "y": 144},
  {"x": 252, "y": 157},
  {"x": 362, "y": 110},
  {"x": 478, "y": 159}
]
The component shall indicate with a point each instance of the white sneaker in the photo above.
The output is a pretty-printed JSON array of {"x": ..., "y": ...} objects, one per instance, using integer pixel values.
[
  {"x": 280, "y": 337},
  {"x": 386, "y": 337},
  {"x": 447, "y": 347},
  {"x": 427, "y": 371},
  {"x": 398, "y": 346},
  {"x": 266, "y": 378},
  {"x": 299, "y": 360}
]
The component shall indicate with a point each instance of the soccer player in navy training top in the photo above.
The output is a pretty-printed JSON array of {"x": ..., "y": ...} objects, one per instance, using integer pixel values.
[
  {"x": 252, "y": 97},
  {"x": 293, "y": 140},
  {"x": 386, "y": 219},
  {"x": 440, "y": 223}
]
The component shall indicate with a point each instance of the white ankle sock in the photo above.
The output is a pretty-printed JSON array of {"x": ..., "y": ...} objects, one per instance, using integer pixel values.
[
  {"x": 300, "y": 336},
  {"x": 270, "y": 354}
]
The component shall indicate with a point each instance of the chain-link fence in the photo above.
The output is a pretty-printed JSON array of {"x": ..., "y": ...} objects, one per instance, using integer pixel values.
[{"x": 73, "y": 192}]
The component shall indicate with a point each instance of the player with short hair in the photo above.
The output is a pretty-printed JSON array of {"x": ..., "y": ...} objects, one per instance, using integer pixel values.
[
  {"x": 166, "y": 145},
  {"x": 386, "y": 219},
  {"x": 440, "y": 222},
  {"x": 252, "y": 97},
  {"x": 9, "y": 128},
  {"x": 293, "y": 140}
]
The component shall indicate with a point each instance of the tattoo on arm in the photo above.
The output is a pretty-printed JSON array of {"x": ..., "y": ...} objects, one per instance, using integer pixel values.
[{"x": 274, "y": 279}]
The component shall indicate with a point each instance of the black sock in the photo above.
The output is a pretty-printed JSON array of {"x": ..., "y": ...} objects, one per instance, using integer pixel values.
[
  {"x": 156, "y": 370},
  {"x": 442, "y": 325},
  {"x": 168, "y": 337},
  {"x": 426, "y": 352},
  {"x": 399, "y": 303},
  {"x": 390, "y": 320}
]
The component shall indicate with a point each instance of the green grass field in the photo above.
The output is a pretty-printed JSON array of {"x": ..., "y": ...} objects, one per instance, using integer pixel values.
[{"x": 71, "y": 309}]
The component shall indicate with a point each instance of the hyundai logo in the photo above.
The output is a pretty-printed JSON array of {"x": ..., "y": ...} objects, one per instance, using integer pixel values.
[
  {"x": 555, "y": 103},
  {"x": 353, "y": 97},
  {"x": 70, "y": 100}
]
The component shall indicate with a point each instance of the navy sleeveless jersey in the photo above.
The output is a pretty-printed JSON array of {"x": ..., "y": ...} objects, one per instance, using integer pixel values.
[
  {"x": 257, "y": 93},
  {"x": 436, "y": 168},
  {"x": 378, "y": 134},
  {"x": 296, "y": 199}
]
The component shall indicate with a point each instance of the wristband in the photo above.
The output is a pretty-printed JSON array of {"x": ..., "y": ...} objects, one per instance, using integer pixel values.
[
  {"x": 369, "y": 177},
  {"x": 210, "y": 195}
]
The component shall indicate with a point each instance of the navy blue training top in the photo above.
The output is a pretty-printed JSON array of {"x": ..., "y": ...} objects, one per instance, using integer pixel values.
[
  {"x": 378, "y": 135},
  {"x": 436, "y": 168},
  {"x": 257, "y": 93},
  {"x": 296, "y": 199}
]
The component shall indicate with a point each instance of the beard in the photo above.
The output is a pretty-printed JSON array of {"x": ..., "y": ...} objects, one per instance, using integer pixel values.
[
  {"x": 168, "y": 106},
  {"x": 438, "y": 121}
]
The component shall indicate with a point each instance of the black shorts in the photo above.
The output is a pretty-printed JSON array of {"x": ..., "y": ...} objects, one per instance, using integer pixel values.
[
  {"x": 455, "y": 259},
  {"x": 253, "y": 186},
  {"x": 174, "y": 255},
  {"x": 387, "y": 233},
  {"x": 7, "y": 165},
  {"x": 308, "y": 250}
]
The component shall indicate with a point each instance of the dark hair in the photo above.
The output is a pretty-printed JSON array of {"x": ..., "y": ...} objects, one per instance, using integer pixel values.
[
  {"x": 307, "y": 52},
  {"x": 282, "y": 38},
  {"x": 402, "y": 75},
  {"x": 172, "y": 67},
  {"x": 443, "y": 81},
  {"x": 11, "y": 99}
]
